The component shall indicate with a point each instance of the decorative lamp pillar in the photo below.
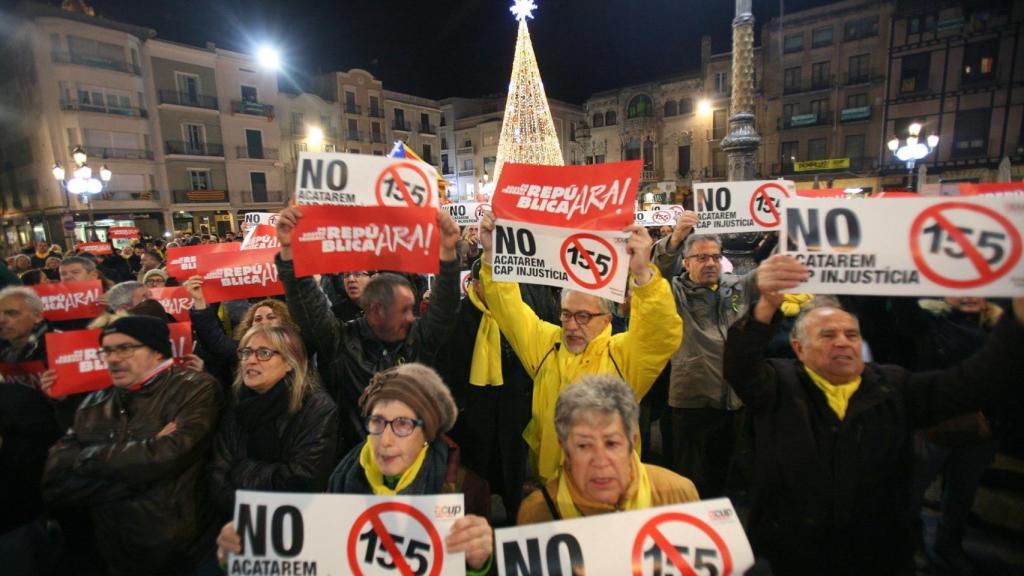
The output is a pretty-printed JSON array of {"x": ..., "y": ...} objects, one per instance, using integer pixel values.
[{"x": 742, "y": 141}]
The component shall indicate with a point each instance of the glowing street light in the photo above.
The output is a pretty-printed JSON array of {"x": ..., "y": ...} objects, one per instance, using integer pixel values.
[
  {"x": 913, "y": 149},
  {"x": 82, "y": 182},
  {"x": 268, "y": 58},
  {"x": 704, "y": 107},
  {"x": 315, "y": 136}
]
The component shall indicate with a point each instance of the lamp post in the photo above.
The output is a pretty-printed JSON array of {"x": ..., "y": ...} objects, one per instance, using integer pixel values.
[
  {"x": 911, "y": 149},
  {"x": 82, "y": 182}
]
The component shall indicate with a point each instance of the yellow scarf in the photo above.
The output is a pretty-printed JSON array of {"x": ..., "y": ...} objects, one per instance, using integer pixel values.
[
  {"x": 838, "y": 396},
  {"x": 486, "y": 366},
  {"x": 376, "y": 478},
  {"x": 636, "y": 497},
  {"x": 791, "y": 303}
]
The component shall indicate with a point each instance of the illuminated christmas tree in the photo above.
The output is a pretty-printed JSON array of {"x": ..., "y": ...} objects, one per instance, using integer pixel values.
[{"x": 527, "y": 131}]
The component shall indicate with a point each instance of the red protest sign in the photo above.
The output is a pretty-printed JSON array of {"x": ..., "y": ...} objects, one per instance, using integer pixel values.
[
  {"x": 713, "y": 557},
  {"x": 185, "y": 261},
  {"x": 589, "y": 260},
  {"x": 380, "y": 543},
  {"x": 123, "y": 233},
  {"x": 175, "y": 300},
  {"x": 181, "y": 338},
  {"x": 240, "y": 274},
  {"x": 330, "y": 239},
  {"x": 100, "y": 248},
  {"x": 260, "y": 231},
  {"x": 23, "y": 373},
  {"x": 822, "y": 193},
  {"x": 895, "y": 194},
  {"x": 589, "y": 197},
  {"x": 949, "y": 238},
  {"x": 991, "y": 188},
  {"x": 70, "y": 300}
]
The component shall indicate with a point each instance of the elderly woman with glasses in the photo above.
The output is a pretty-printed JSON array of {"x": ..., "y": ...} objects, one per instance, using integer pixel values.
[
  {"x": 407, "y": 410},
  {"x": 596, "y": 420},
  {"x": 281, "y": 431}
]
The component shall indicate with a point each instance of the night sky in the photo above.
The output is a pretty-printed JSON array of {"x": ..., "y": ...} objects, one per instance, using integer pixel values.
[{"x": 458, "y": 47}]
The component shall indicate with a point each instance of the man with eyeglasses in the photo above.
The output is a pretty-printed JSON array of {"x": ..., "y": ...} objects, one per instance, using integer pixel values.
[
  {"x": 705, "y": 409},
  {"x": 556, "y": 356},
  {"x": 136, "y": 453}
]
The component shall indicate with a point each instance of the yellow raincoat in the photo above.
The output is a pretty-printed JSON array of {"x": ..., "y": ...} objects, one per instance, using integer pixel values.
[{"x": 637, "y": 355}]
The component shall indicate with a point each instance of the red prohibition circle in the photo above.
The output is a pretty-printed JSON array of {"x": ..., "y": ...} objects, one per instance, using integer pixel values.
[
  {"x": 372, "y": 515},
  {"x": 393, "y": 171},
  {"x": 466, "y": 282},
  {"x": 651, "y": 529},
  {"x": 663, "y": 217},
  {"x": 481, "y": 208},
  {"x": 598, "y": 282},
  {"x": 762, "y": 190},
  {"x": 986, "y": 274}
]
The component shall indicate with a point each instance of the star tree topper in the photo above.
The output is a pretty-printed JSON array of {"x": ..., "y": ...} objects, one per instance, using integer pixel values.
[{"x": 523, "y": 9}]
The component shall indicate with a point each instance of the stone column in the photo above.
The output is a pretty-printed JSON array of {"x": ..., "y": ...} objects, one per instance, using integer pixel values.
[{"x": 742, "y": 141}]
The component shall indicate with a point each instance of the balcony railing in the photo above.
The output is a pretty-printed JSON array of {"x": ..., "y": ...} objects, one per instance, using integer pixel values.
[
  {"x": 857, "y": 164},
  {"x": 805, "y": 120},
  {"x": 428, "y": 129},
  {"x": 861, "y": 77},
  {"x": 252, "y": 108},
  {"x": 465, "y": 151},
  {"x": 118, "y": 153},
  {"x": 809, "y": 85},
  {"x": 187, "y": 99},
  {"x": 199, "y": 196},
  {"x": 353, "y": 108},
  {"x": 400, "y": 125},
  {"x": 125, "y": 196},
  {"x": 194, "y": 148},
  {"x": 376, "y": 113},
  {"x": 648, "y": 176},
  {"x": 854, "y": 114},
  {"x": 96, "y": 62},
  {"x": 247, "y": 153},
  {"x": 354, "y": 135},
  {"x": 103, "y": 109},
  {"x": 582, "y": 133},
  {"x": 263, "y": 197}
]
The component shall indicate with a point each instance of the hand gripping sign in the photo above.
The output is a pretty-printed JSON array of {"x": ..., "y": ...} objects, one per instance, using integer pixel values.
[
  {"x": 70, "y": 300},
  {"x": 908, "y": 246},
  {"x": 311, "y": 534},
  {"x": 690, "y": 539},
  {"x": 260, "y": 232},
  {"x": 562, "y": 226},
  {"x": 331, "y": 239},
  {"x": 362, "y": 180},
  {"x": 754, "y": 206}
]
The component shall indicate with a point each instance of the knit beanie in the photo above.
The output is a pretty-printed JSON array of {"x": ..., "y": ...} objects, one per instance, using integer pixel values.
[
  {"x": 149, "y": 307},
  {"x": 149, "y": 331},
  {"x": 420, "y": 388}
]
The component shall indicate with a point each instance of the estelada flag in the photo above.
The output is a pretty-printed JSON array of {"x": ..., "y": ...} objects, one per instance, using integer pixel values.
[
  {"x": 586, "y": 197},
  {"x": 75, "y": 356},
  {"x": 175, "y": 299},
  {"x": 331, "y": 239},
  {"x": 240, "y": 274},
  {"x": 70, "y": 300},
  {"x": 185, "y": 261}
]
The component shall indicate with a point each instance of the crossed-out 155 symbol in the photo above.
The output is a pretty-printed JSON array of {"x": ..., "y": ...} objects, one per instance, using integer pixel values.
[
  {"x": 393, "y": 190},
  {"x": 761, "y": 204},
  {"x": 987, "y": 240},
  {"x": 376, "y": 551},
  {"x": 600, "y": 260},
  {"x": 703, "y": 559}
]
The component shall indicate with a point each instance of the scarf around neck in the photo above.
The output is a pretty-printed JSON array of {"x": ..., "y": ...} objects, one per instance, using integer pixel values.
[
  {"x": 485, "y": 369},
  {"x": 572, "y": 504}
]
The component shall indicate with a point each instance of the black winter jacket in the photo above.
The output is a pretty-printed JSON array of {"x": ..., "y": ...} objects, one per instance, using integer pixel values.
[
  {"x": 348, "y": 355},
  {"x": 308, "y": 441},
  {"x": 830, "y": 495},
  {"x": 147, "y": 495}
]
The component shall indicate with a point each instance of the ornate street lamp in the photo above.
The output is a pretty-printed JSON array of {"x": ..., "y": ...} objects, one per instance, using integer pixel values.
[
  {"x": 911, "y": 149},
  {"x": 82, "y": 183}
]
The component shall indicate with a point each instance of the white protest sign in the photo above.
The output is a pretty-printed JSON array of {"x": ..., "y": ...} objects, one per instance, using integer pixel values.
[
  {"x": 674, "y": 208},
  {"x": 467, "y": 213},
  {"x": 908, "y": 246},
  {"x": 362, "y": 180},
  {"x": 260, "y": 232},
  {"x": 596, "y": 261},
  {"x": 656, "y": 218},
  {"x": 697, "y": 538},
  {"x": 309, "y": 534},
  {"x": 752, "y": 206}
]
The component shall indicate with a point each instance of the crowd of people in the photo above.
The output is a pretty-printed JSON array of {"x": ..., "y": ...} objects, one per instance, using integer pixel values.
[{"x": 831, "y": 416}]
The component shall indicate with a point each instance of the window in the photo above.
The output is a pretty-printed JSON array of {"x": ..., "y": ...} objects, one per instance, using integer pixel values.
[
  {"x": 350, "y": 102},
  {"x": 633, "y": 149},
  {"x": 424, "y": 122},
  {"x": 790, "y": 110},
  {"x": 821, "y": 37},
  {"x": 791, "y": 79},
  {"x": 817, "y": 149},
  {"x": 979, "y": 62},
  {"x": 860, "y": 28},
  {"x": 374, "y": 106},
  {"x": 719, "y": 124},
  {"x": 467, "y": 144},
  {"x": 686, "y": 106},
  {"x": 444, "y": 139},
  {"x": 599, "y": 159},
  {"x": 325, "y": 123},
  {"x": 790, "y": 151},
  {"x": 821, "y": 74},
  {"x": 188, "y": 87},
  {"x": 253, "y": 143},
  {"x": 921, "y": 23},
  {"x": 127, "y": 183},
  {"x": 194, "y": 136},
  {"x": 793, "y": 43},
  {"x": 467, "y": 165},
  {"x": 721, "y": 82},
  {"x": 376, "y": 137},
  {"x": 353, "y": 129},
  {"x": 640, "y": 107},
  {"x": 110, "y": 144},
  {"x": 853, "y": 148},
  {"x": 648, "y": 154},
  {"x": 199, "y": 179},
  {"x": 428, "y": 154},
  {"x": 354, "y": 151},
  {"x": 671, "y": 108},
  {"x": 89, "y": 51},
  {"x": 597, "y": 121},
  {"x": 683, "y": 154},
  {"x": 610, "y": 118},
  {"x": 971, "y": 134},
  {"x": 858, "y": 100},
  {"x": 330, "y": 148},
  {"x": 820, "y": 108},
  {"x": 444, "y": 164},
  {"x": 249, "y": 94},
  {"x": 258, "y": 185},
  {"x": 914, "y": 72},
  {"x": 572, "y": 132},
  {"x": 297, "y": 123},
  {"x": 97, "y": 99},
  {"x": 400, "y": 119},
  {"x": 859, "y": 69}
]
